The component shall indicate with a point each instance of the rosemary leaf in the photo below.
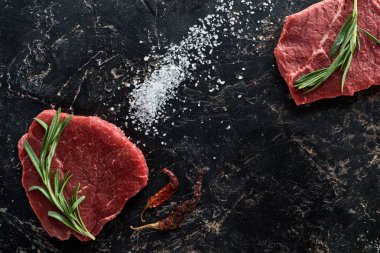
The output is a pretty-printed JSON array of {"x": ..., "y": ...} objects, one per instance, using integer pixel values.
[
  {"x": 66, "y": 179},
  {"x": 339, "y": 39},
  {"x": 43, "y": 124},
  {"x": 76, "y": 204},
  {"x": 41, "y": 189},
  {"x": 310, "y": 75},
  {"x": 347, "y": 68},
  {"x": 358, "y": 42},
  {"x": 372, "y": 37},
  {"x": 75, "y": 194},
  {"x": 53, "y": 147},
  {"x": 33, "y": 157},
  {"x": 56, "y": 182},
  {"x": 62, "y": 219}
]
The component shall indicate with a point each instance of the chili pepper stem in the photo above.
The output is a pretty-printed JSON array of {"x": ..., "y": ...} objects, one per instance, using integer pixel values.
[
  {"x": 155, "y": 225},
  {"x": 147, "y": 206}
]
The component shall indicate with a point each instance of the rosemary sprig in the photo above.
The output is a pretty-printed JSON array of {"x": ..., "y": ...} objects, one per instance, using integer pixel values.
[
  {"x": 53, "y": 187},
  {"x": 346, "y": 42}
]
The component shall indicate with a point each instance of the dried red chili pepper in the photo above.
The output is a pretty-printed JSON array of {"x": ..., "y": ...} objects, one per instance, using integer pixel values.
[
  {"x": 179, "y": 214},
  {"x": 162, "y": 195}
]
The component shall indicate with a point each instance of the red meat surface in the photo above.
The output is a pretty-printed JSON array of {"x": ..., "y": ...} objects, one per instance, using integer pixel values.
[
  {"x": 109, "y": 168},
  {"x": 306, "y": 40}
]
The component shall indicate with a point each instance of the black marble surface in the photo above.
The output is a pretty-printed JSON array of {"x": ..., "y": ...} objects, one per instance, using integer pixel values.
[{"x": 281, "y": 179}]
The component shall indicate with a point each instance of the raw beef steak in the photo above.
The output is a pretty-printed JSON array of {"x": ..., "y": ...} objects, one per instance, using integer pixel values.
[
  {"x": 306, "y": 40},
  {"x": 109, "y": 168}
]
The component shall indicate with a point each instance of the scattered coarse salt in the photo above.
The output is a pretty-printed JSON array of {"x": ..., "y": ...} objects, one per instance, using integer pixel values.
[{"x": 149, "y": 98}]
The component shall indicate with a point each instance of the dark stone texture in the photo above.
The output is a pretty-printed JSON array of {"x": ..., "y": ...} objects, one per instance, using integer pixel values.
[{"x": 282, "y": 179}]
